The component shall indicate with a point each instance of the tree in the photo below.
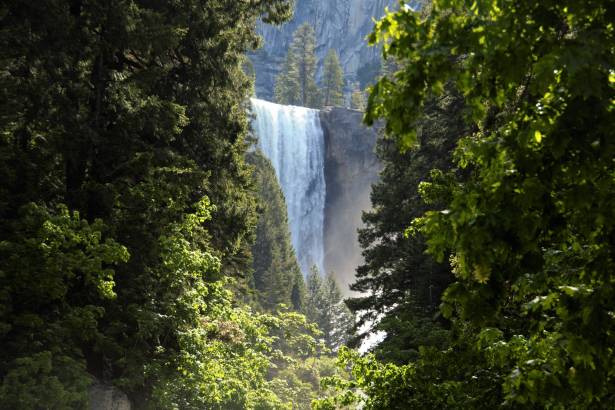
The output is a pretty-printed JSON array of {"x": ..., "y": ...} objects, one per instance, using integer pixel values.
[
  {"x": 325, "y": 307},
  {"x": 314, "y": 295},
  {"x": 333, "y": 80},
  {"x": 277, "y": 277},
  {"x": 530, "y": 227},
  {"x": 120, "y": 139},
  {"x": 287, "y": 84},
  {"x": 296, "y": 84},
  {"x": 399, "y": 284},
  {"x": 339, "y": 321},
  {"x": 357, "y": 99}
]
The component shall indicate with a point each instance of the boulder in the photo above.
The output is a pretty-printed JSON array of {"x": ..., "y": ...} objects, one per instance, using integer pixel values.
[{"x": 106, "y": 397}]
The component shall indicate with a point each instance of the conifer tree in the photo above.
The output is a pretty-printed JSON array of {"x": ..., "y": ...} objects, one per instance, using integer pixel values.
[
  {"x": 333, "y": 80},
  {"x": 277, "y": 277},
  {"x": 357, "y": 98},
  {"x": 123, "y": 186},
  {"x": 287, "y": 90},
  {"x": 338, "y": 320},
  {"x": 326, "y": 308},
  {"x": 400, "y": 285},
  {"x": 314, "y": 297},
  {"x": 296, "y": 84}
]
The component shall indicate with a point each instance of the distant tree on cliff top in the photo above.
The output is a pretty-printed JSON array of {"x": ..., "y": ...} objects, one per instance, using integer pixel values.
[
  {"x": 287, "y": 82},
  {"x": 357, "y": 98},
  {"x": 296, "y": 84},
  {"x": 333, "y": 80}
]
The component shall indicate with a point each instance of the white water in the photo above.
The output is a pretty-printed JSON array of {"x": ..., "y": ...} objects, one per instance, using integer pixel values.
[{"x": 292, "y": 138}]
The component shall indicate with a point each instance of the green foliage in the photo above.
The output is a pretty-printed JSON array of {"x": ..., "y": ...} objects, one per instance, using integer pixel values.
[
  {"x": 399, "y": 284},
  {"x": 233, "y": 357},
  {"x": 529, "y": 219},
  {"x": 225, "y": 360},
  {"x": 277, "y": 277},
  {"x": 51, "y": 304},
  {"x": 325, "y": 307},
  {"x": 130, "y": 114},
  {"x": 296, "y": 84},
  {"x": 333, "y": 80},
  {"x": 454, "y": 378},
  {"x": 299, "y": 383},
  {"x": 44, "y": 380},
  {"x": 357, "y": 99},
  {"x": 222, "y": 355}
]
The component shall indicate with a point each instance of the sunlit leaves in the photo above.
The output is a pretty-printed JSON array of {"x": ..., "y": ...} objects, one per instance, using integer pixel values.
[
  {"x": 50, "y": 257},
  {"x": 129, "y": 113},
  {"x": 529, "y": 231}
]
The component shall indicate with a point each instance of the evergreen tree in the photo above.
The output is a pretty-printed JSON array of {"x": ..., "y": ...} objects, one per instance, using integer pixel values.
[
  {"x": 296, "y": 84},
  {"x": 277, "y": 277},
  {"x": 338, "y": 320},
  {"x": 314, "y": 296},
  {"x": 528, "y": 221},
  {"x": 400, "y": 284},
  {"x": 287, "y": 88},
  {"x": 124, "y": 195},
  {"x": 357, "y": 98},
  {"x": 333, "y": 80},
  {"x": 326, "y": 308}
]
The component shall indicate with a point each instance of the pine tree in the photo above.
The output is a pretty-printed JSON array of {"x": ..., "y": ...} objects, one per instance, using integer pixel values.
[
  {"x": 296, "y": 84},
  {"x": 333, "y": 80},
  {"x": 338, "y": 319},
  {"x": 401, "y": 285},
  {"x": 326, "y": 308},
  {"x": 287, "y": 89},
  {"x": 357, "y": 98},
  {"x": 117, "y": 133},
  {"x": 314, "y": 297},
  {"x": 277, "y": 277}
]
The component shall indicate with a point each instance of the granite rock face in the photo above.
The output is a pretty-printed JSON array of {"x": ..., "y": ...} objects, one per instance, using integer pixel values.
[
  {"x": 351, "y": 167},
  {"x": 341, "y": 25},
  {"x": 105, "y": 397}
]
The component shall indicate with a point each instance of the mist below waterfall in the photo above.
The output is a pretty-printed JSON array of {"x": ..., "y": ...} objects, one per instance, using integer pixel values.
[{"x": 292, "y": 139}]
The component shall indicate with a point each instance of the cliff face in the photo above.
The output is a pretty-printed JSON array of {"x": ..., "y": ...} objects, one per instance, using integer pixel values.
[
  {"x": 341, "y": 25},
  {"x": 351, "y": 167}
]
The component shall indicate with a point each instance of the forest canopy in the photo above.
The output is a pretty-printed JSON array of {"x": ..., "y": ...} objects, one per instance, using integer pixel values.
[
  {"x": 127, "y": 210},
  {"x": 525, "y": 214},
  {"x": 144, "y": 243}
]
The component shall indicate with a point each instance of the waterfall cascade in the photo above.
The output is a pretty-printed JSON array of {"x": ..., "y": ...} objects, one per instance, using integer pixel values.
[{"x": 292, "y": 139}]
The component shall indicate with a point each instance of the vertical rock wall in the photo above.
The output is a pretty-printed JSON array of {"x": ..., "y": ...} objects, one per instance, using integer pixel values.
[
  {"x": 341, "y": 25},
  {"x": 351, "y": 167}
]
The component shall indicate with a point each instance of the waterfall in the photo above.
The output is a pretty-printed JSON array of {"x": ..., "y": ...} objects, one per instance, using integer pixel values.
[{"x": 292, "y": 139}]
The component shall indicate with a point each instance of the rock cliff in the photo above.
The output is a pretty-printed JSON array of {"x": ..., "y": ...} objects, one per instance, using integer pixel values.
[
  {"x": 351, "y": 167},
  {"x": 341, "y": 25}
]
